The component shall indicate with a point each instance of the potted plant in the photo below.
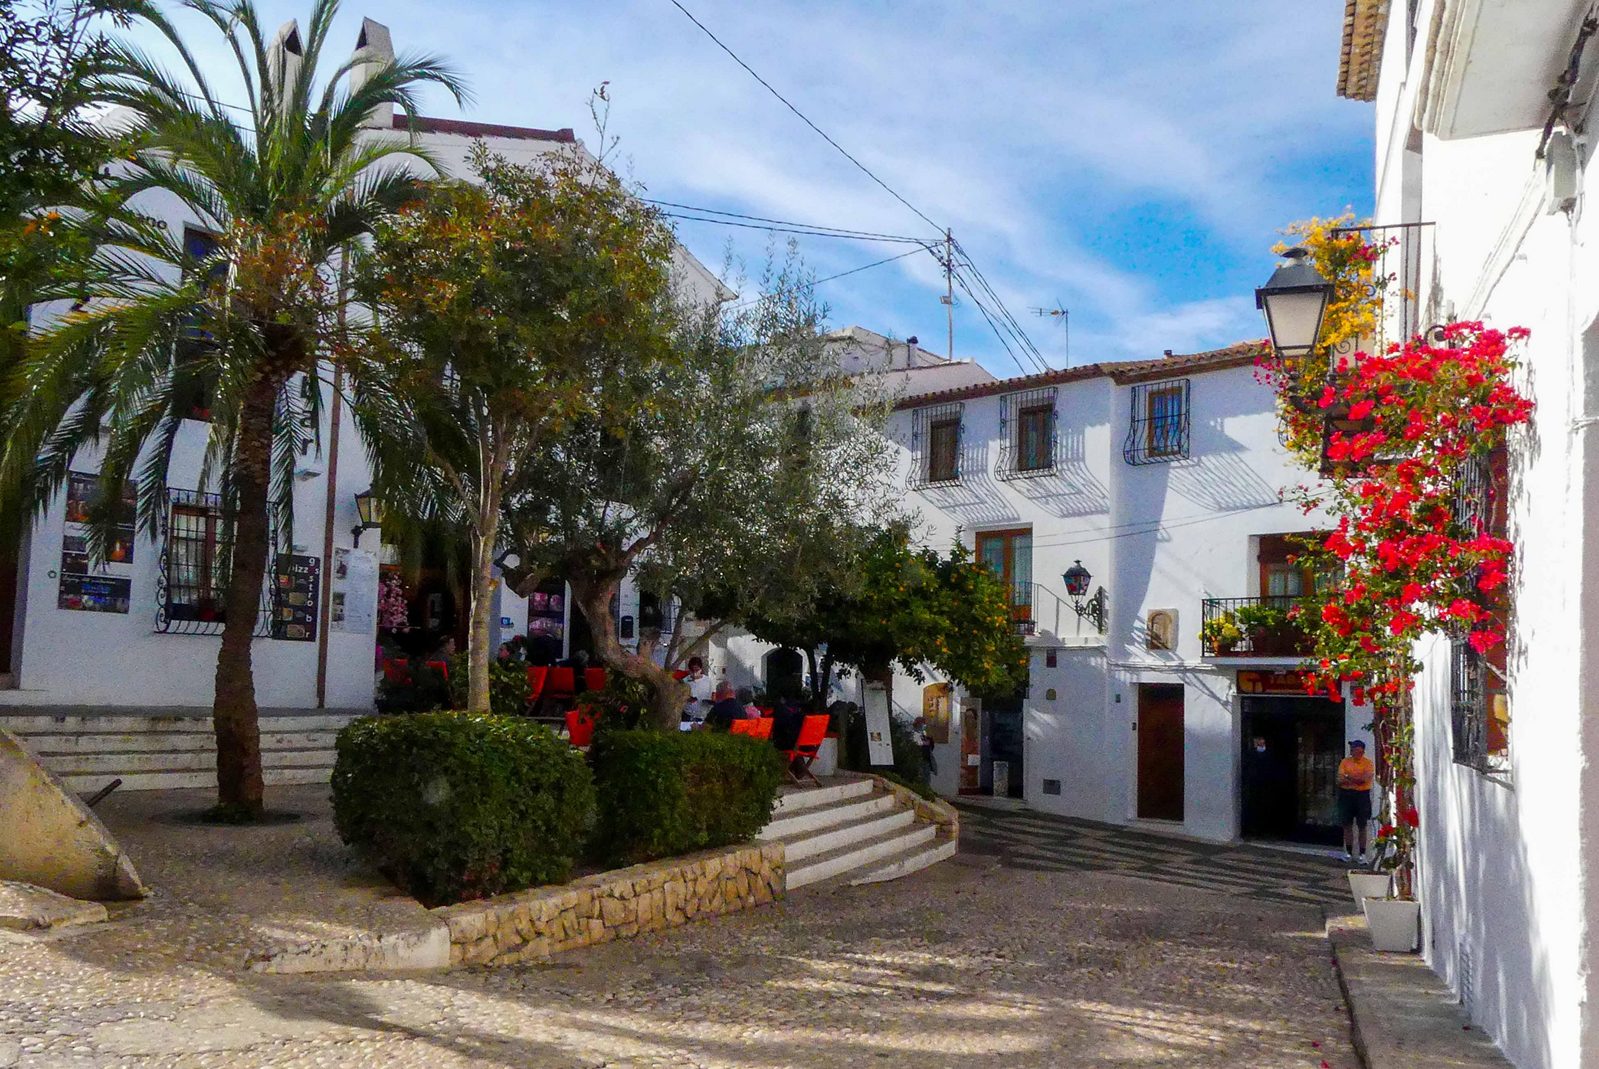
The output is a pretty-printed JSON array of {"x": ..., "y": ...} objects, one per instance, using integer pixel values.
[
  {"x": 1394, "y": 919},
  {"x": 1220, "y": 635},
  {"x": 1264, "y": 625}
]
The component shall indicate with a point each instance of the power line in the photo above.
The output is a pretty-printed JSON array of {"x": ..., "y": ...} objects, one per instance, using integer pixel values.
[
  {"x": 851, "y": 231},
  {"x": 992, "y": 325},
  {"x": 841, "y": 274},
  {"x": 1159, "y": 526},
  {"x": 1021, "y": 334},
  {"x": 822, "y": 133},
  {"x": 918, "y": 242}
]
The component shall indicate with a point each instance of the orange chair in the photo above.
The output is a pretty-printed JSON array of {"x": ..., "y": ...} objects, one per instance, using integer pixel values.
[
  {"x": 756, "y": 729},
  {"x": 813, "y": 729},
  {"x": 580, "y": 725},
  {"x": 593, "y": 679}
]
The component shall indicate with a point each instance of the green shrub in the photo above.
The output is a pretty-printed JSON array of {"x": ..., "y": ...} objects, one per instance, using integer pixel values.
[
  {"x": 508, "y": 686},
  {"x": 454, "y": 806},
  {"x": 666, "y": 793}
]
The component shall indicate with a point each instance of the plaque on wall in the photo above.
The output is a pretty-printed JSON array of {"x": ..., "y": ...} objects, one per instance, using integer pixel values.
[{"x": 296, "y": 582}]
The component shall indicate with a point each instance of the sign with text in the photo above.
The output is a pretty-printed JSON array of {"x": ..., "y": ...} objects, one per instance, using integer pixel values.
[
  {"x": 1286, "y": 682},
  {"x": 879, "y": 743}
]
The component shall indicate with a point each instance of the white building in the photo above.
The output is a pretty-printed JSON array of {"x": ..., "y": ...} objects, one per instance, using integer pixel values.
[
  {"x": 140, "y": 636},
  {"x": 1480, "y": 111},
  {"x": 1163, "y": 478}
]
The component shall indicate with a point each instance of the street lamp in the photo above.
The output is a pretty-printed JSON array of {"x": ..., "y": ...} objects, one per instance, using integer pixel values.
[
  {"x": 1294, "y": 301},
  {"x": 1077, "y": 579},
  {"x": 370, "y": 509}
]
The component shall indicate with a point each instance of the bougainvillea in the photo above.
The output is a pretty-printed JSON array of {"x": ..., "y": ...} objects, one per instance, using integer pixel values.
[{"x": 1405, "y": 440}]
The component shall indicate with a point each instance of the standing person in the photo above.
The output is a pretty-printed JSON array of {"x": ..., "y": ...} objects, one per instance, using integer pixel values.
[
  {"x": 701, "y": 690},
  {"x": 1356, "y": 774},
  {"x": 924, "y": 742}
]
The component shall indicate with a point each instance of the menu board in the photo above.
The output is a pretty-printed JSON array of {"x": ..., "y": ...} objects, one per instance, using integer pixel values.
[
  {"x": 85, "y": 586},
  {"x": 355, "y": 591},
  {"x": 296, "y": 582}
]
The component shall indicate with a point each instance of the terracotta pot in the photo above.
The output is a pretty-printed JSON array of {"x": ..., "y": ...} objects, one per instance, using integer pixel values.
[{"x": 1394, "y": 923}]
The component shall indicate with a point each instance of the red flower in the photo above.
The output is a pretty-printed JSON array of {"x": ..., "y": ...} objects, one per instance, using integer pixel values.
[
  {"x": 1410, "y": 816},
  {"x": 1483, "y": 641}
]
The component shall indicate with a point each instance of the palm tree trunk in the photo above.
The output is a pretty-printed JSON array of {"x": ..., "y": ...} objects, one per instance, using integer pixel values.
[
  {"x": 234, "y": 714},
  {"x": 668, "y": 696}
]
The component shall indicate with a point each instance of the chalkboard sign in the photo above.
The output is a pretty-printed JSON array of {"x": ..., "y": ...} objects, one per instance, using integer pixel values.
[{"x": 296, "y": 582}]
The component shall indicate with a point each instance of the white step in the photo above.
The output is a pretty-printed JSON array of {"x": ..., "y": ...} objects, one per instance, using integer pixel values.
[
  {"x": 116, "y": 764},
  {"x": 807, "y": 820},
  {"x": 167, "y": 742},
  {"x": 791, "y": 800},
  {"x": 197, "y": 721},
  {"x": 860, "y": 854},
  {"x": 911, "y": 861},
  {"x": 167, "y": 781},
  {"x": 822, "y": 842}
]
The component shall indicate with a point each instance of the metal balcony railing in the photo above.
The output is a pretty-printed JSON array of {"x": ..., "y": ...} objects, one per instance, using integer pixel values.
[
  {"x": 1252, "y": 627},
  {"x": 1020, "y": 597}
]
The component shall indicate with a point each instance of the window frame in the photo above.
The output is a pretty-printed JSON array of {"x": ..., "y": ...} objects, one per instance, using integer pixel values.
[
  {"x": 214, "y": 544},
  {"x": 1157, "y": 434},
  {"x": 1029, "y": 437},
  {"x": 936, "y": 438},
  {"x": 1479, "y": 687}
]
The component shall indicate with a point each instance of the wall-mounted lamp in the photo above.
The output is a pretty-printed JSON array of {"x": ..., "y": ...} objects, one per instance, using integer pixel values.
[
  {"x": 1077, "y": 579},
  {"x": 370, "y": 509},
  {"x": 1294, "y": 301}
]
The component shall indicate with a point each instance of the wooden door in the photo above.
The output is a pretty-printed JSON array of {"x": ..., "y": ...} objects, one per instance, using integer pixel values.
[
  {"x": 1160, "y": 751},
  {"x": 971, "y": 746}
]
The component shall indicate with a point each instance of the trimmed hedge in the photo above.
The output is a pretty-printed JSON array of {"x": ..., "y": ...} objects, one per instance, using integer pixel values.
[
  {"x": 454, "y": 806},
  {"x": 667, "y": 793}
]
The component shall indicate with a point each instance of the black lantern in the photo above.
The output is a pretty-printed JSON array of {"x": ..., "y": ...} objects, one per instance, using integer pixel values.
[
  {"x": 1077, "y": 579},
  {"x": 1294, "y": 301},
  {"x": 370, "y": 509}
]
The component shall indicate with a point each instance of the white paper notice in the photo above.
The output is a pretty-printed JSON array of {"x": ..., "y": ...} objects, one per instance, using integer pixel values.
[
  {"x": 355, "y": 591},
  {"x": 879, "y": 743}
]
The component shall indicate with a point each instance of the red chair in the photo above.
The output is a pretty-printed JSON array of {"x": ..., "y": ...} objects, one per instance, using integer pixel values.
[
  {"x": 442, "y": 668},
  {"x": 756, "y": 729},
  {"x": 593, "y": 679},
  {"x": 561, "y": 684},
  {"x": 536, "y": 675},
  {"x": 813, "y": 729},
  {"x": 580, "y": 725},
  {"x": 397, "y": 671},
  {"x": 680, "y": 674}
]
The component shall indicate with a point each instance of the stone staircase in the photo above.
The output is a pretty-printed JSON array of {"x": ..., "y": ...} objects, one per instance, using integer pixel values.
[
  {"x": 854, "y": 828},
  {"x": 161, "y": 751}
]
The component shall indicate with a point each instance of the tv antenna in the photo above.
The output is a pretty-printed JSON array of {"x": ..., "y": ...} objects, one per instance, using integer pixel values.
[{"x": 1061, "y": 316}]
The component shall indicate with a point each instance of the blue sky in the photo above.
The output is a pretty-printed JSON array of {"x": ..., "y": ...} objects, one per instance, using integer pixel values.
[{"x": 1130, "y": 160}]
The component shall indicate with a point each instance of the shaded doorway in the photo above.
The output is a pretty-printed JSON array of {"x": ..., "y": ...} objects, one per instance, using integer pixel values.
[
  {"x": 1003, "y": 746},
  {"x": 1289, "y": 769},
  {"x": 1160, "y": 751},
  {"x": 784, "y": 672}
]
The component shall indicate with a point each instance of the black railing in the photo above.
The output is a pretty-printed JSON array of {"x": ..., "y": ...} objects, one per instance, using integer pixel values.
[
  {"x": 1020, "y": 597},
  {"x": 1252, "y": 627}
]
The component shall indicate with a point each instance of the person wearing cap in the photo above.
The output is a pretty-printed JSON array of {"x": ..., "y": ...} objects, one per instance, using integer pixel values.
[{"x": 1356, "y": 774}]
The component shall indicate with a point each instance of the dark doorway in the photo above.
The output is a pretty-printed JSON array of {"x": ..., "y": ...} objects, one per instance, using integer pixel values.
[
  {"x": 785, "y": 674},
  {"x": 1003, "y": 736},
  {"x": 1289, "y": 770},
  {"x": 1160, "y": 751},
  {"x": 8, "y": 608}
]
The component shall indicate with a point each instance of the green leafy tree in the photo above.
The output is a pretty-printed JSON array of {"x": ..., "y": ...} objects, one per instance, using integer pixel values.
[
  {"x": 494, "y": 300},
  {"x": 286, "y": 191},
  {"x": 910, "y": 607},
  {"x": 717, "y": 479}
]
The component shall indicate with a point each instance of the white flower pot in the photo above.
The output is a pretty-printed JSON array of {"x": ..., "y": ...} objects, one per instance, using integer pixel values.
[
  {"x": 1364, "y": 884},
  {"x": 1394, "y": 923},
  {"x": 826, "y": 762}
]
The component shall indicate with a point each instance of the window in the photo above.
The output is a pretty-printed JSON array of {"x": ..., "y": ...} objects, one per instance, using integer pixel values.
[
  {"x": 192, "y": 575},
  {"x": 1479, "y": 693},
  {"x": 1009, "y": 555},
  {"x": 1158, "y": 430},
  {"x": 936, "y": 445},
  {"x": 1027, "y": 434}
]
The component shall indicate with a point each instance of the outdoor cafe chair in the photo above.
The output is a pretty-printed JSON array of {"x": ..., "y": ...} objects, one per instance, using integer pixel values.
[
  {"x": 580, "y": 725},
  {"x": 756, "y": 729},
  {"x": 813, "y": 729},
  {"x": 593, "y": 679}
]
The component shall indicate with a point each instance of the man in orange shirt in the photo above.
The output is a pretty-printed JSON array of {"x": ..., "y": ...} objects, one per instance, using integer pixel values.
[{"x": 1356, "y": 774}]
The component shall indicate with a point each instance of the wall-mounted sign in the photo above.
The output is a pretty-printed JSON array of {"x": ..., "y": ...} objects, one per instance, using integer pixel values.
[
  {"x": 355, "y": 591},
  {"x": 84, "y": 585},
  {"x": 879, "y": 743},
  {"x": 296, "y": 581},
  {"x": 1289, "y": 681}
]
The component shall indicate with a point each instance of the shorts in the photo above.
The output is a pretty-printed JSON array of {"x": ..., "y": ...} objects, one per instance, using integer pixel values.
[{"x": 1354, "y": 807}]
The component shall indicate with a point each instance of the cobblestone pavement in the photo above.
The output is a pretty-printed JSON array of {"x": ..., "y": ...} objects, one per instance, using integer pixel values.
[
  {"x": 973, "y": 963},
  {"x": 1044, "y": 843}
]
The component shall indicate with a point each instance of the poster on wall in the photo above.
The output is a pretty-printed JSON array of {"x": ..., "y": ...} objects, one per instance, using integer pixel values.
[
  {"x": 355, "y": 591},
  {"x": 879, "y": 743},
  {"x": 84, "y": 585},
  {"x": 296, "y": 582}
]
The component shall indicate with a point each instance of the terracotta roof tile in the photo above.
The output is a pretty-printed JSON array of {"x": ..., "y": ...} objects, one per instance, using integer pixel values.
[
  {"x": 1360, "y": 58},
  {"x": 1239, "y": 354}
]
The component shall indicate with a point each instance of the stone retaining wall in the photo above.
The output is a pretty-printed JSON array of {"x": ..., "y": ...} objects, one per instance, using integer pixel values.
[
  {"x": 531, "y": 925},
  {"x": 935, "y": 811}
]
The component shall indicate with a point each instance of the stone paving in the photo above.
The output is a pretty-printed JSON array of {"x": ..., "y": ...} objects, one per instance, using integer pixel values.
[{"x": 971, "y": 963}]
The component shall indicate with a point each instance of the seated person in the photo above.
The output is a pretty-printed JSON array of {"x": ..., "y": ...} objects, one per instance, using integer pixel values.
[
  {"x": 725, "y": 709},
  {"x": 786, "y": 723},
  {"x": 746, "y": 698}
]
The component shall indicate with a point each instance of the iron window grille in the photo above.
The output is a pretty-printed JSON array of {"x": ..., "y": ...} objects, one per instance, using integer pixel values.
[
  {"x": 192, "y": 572},
  {"x": 1477, "y": 692},
  {"x": 1028, "y": 439},
  {"x": 1158, "y": 430},
  {"x": 936, "y": 445}
]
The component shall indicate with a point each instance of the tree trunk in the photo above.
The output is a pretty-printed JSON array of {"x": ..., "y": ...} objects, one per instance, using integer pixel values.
[
  {"x": 668, "y": 695},
  {"x": 234, "y": 714},
  {"x": 818, "y": 690},
  {"x": 477, "y": 637}
]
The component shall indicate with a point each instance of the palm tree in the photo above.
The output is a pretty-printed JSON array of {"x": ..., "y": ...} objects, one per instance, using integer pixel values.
[{"x": 286, "y": 189}]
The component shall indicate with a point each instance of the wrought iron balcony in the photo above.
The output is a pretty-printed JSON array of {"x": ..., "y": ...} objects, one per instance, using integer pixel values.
[
  {"x": 1252, "y": 627},
  {"x": 1020, "y": 597}
]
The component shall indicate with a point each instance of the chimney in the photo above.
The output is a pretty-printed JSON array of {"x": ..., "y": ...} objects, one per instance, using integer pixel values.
[
  {"x": 374, "y": 50},
  {"x": 1168, "y": 352},
  {"x": 284, "y": 57}
]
